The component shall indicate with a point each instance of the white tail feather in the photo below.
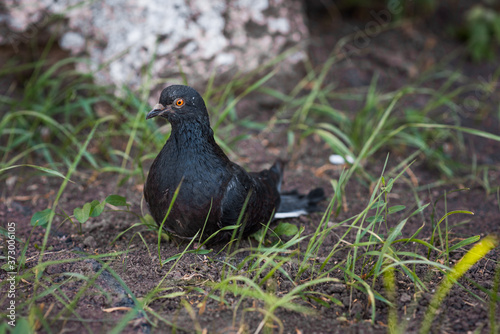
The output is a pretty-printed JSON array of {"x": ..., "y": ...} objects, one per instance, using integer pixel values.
[{"x": 291, "y": 214}]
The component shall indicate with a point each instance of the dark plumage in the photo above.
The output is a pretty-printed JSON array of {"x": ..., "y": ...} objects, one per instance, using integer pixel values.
[{"x": 212, "y": 185}]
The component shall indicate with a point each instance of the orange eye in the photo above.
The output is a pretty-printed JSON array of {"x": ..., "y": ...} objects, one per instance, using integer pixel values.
[{"x": 179, "y": 102}]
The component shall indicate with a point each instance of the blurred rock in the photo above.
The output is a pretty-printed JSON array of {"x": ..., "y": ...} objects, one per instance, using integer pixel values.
[
  {"x": 72, "y": 41},
  {"x": 90, "y": 242},
  {"x": 197, "y": 37}
]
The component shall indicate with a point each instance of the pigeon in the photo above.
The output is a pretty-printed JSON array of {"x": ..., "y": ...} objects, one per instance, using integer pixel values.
[{"x": 210, "y": 190}]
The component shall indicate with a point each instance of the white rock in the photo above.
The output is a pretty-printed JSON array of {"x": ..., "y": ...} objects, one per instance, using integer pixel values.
[
  {"x": 198, "y": 35},
  {"x": 339, "y": 160},
  {"x": 72, "y": 41}
]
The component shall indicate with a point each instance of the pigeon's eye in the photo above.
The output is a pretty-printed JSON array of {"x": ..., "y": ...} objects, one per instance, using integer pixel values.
[{"x": 179, "y": 102}]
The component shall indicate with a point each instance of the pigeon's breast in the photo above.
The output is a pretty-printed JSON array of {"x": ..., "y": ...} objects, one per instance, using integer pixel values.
[{"x": 200, "y": 180}]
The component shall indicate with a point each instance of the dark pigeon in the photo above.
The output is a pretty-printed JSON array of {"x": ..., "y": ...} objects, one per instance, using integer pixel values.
[{"x": 212, "y": 189}]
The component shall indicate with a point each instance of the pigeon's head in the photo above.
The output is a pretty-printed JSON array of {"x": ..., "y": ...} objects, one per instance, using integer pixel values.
[{"x": 180, "y": 103}]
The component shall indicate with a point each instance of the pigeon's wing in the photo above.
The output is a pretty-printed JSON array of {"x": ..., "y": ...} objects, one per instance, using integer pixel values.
[
  {"x": 260, "y": 190},
  {"x": 237, "y": 190}
]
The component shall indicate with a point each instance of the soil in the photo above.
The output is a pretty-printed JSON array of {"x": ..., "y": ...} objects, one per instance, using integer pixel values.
[{"x": 398, "y": 56}]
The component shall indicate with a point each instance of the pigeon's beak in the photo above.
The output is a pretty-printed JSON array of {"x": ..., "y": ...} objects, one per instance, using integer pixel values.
[{"x": 158, "y": 110}]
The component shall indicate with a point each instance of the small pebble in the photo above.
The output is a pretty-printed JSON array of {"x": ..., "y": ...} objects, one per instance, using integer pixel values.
[
  {"x": 90, "y": 242},
  {"x": 405, "y": 298}
]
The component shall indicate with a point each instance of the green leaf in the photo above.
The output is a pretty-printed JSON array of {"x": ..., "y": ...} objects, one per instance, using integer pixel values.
[
  {"x": 148, "y": 220},
  {"x": 317, "y": 300},
  {"x": 41, "y": 218},
  {"x": 22, "y": 326},
  {"x": 420, "y": 209},
  {"x": 97, "y": 208},
  {"x": 334, "y": 142},
  {"x": 378, "y": 204},
  {"x": 376, "y": 219},
  {"x": 396, "y": 208},
  {"x": 286, "y": 229},
  {"x": 82, "y": 214},
  {"x": 259, "y": 235},
  {"x": 372, "y": 238},
  {"x": 6, "y": 267},
  {"x": 465, "y": 242},
  {"x": 392, "y": 231},
  {"x": 389, "y": 185},
  {"x": 43, "y": 169},
  {"x": 116, "y": 200}
]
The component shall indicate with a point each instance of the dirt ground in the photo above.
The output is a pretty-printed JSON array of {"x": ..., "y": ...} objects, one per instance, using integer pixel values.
[{"x": 398, "y": 56}]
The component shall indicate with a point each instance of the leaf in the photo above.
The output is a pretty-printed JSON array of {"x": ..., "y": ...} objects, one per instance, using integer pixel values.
[
  {"x": 317, "y": 300},
  {"x": 82, "y": 214},
  {"x": 148, "y": 220},
  {"x": 389, "y": 185},
  {"x": 259, "y": 235},
  {"x": 334, "y": 142},
  {"x": 43, "y": 169},
  {"x": 420, "y": 209},
  {"x": 393, "y": 233},
  {"x": 6, "y": 267},
  {"x": 116, "y": 200},
  {"x": 375, "y": 238},
  {"x": 22, "y": 326},
  {"x": 392, "y": 230},
  {"x": 97, "y": 208},
  {"x": 376, "y": 219},
  {"x": 41, "y": 218},
  {"x": 396, "y": 208},
  {"x": 286, "y": 229},
  {"x": 465, "y": 242},
  {"x": 378, "y": 204}
]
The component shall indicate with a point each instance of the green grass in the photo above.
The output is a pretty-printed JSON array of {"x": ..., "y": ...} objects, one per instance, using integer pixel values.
[{"x": 65, "y": 124}]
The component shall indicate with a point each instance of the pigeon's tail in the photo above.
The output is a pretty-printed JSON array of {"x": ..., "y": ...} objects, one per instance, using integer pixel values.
[{"x": 294, "y": 204}]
